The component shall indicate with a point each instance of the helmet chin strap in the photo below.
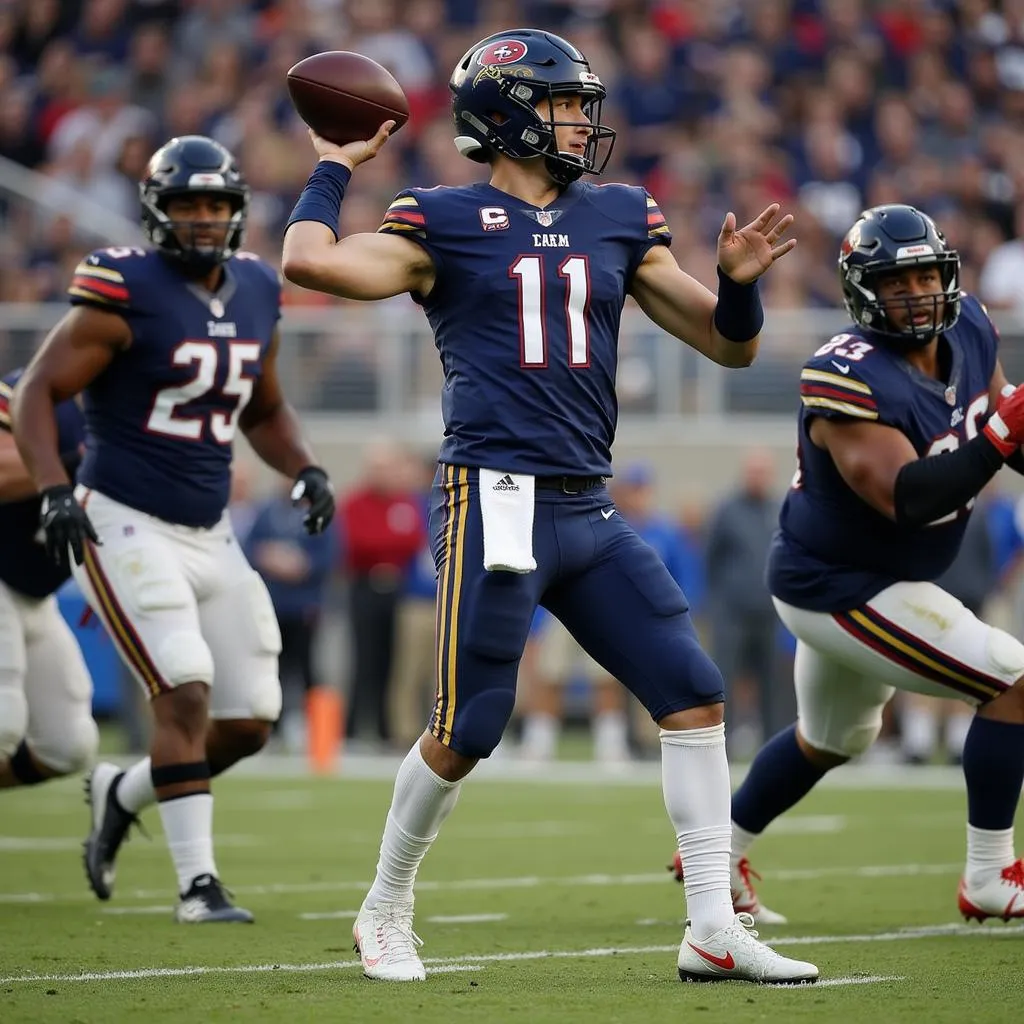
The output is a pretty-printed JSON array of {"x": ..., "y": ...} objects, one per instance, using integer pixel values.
[{"x": 563, "y": 172}]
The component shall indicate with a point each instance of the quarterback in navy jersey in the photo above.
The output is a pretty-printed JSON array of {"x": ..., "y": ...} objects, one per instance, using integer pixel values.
[
  {"x": 173, "y": 349},
  {"x": 905, "y": 417},
  {"x": 523, "y": 280},
  {"x": 46, "y": 725}
]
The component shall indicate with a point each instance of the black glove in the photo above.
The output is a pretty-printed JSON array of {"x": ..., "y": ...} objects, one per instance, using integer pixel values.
[
  {"x": 314, "y": 488},
  {"x": 65, "y": 523}
]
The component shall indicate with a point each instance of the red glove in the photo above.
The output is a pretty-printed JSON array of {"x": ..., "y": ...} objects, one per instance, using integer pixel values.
[{"x": 1005, "y": 427}]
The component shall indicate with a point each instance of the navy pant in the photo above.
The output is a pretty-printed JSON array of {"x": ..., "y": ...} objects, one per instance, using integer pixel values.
[{"x": 594, "y": 573}]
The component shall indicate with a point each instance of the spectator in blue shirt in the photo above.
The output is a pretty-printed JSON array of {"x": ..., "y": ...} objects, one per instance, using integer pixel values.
[{"x": 296, "y": 568}]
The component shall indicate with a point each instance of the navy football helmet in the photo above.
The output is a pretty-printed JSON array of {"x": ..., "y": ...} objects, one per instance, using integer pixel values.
[
  {"x": 497, "y": 86},
  {"x": 888, "y": 238},
  {"x": 192, "y": 164}
]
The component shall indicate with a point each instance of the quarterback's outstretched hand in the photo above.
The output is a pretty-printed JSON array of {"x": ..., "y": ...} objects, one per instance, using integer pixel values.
[
  {"x": 746, "y": 253},
  {"x": 1005, "y": 427},
  {"x": 352, "y": 154},
  {"x": 313, "y": 488},
  {"x": 65, "y": 523}
]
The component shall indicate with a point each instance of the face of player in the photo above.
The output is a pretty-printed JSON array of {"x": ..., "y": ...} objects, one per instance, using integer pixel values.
[
  {"x": 914, "y": 297},
  {"x": 570, "y": 137},
  {"x": 200, "y": 219}
]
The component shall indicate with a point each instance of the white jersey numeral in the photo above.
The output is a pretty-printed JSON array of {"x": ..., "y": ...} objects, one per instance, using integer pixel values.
[
  {"x": 164, "y": 417},
  {"x": 532, "y": 337},
  {"x": 951, "y": 441}
]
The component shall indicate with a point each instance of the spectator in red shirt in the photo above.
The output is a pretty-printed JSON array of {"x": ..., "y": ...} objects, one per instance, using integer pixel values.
[{"x": 382, "y": 529}]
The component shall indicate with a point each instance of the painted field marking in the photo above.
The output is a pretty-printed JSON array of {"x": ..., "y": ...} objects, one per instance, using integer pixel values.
[
  {"x": 459, "y": 962},
  {"x": 64, "y": 844},
  {"x": 522, "y": 882},
  {"x": 330, "y": 915},
  {"x": 124, "y": 911},
  {"x": 856, "y": 979},
  {"x": 466, "y": 918}
]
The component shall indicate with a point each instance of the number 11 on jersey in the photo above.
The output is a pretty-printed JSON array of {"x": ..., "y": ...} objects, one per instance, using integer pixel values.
[{"x": 575, "y": 271}]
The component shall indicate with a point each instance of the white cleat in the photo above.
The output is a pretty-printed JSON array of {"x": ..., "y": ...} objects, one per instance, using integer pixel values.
[
  {"x": 744, "y": 896},
  {"x": 387, "y": 944},
  {"x": 734, "y": 954},
  {"x": 1000, "y": 894}
]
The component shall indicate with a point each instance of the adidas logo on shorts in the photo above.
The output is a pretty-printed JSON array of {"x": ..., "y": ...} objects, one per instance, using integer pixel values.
[{"x": 506, "y": 483}]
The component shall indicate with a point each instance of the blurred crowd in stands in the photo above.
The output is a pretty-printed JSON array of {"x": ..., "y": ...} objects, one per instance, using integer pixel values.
[{"x": 825, "y": 105}]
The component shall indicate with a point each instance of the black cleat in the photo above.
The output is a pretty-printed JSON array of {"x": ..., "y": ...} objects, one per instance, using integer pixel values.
[
  {"x": 110, "y": 825},
  {"x": 208, "y": 900}
]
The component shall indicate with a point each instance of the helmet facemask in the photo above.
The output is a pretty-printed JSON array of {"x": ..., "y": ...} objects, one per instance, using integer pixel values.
[
  {"x": 872, "y": 313},
  {"x": 197, "y": 260}
]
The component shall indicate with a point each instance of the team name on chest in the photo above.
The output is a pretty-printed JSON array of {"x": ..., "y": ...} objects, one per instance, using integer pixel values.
[
  {"x": 550, "y": 240},
  {"x": 221, "y": 329}
]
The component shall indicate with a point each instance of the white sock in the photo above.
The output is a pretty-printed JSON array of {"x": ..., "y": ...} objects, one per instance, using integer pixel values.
[
  {"x": 421, "y": 802},
  {"x": 742, "y": 840},
  {"x": 695, "y": 784},
  {"x": 988, "y": 852},
  {"x": 611, "y": 736},
  {"x": 135, "y": 790},
  {"x": 920, "y": 731},
  {"x": 540, "y": 737},
  {"x": 188, "y": 826}
]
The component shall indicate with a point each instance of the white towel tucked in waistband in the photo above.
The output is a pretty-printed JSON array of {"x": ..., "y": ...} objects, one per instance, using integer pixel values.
[{"x": 506, "y": 504}]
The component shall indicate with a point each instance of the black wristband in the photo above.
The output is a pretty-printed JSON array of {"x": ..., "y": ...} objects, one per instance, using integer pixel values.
[
  {"x": 738, "y": 314},
  {"x": 1016, "y": 461},
  {"x": 930, "y": 488}
]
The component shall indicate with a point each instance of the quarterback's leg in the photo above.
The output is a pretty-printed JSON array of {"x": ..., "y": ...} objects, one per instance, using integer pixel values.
[
  {"x": 629, "y": 614},
  {"x": 136, "y": 582},
  {"x": 482, "y": 623}
]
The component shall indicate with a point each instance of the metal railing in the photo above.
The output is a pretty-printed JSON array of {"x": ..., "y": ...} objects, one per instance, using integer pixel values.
[{"x": 377, "y": 361}]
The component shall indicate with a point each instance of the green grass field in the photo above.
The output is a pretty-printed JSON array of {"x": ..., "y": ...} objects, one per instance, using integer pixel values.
[{"x": 541, "y": 902}]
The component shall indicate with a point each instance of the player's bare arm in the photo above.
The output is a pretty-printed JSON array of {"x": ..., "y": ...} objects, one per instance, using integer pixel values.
[
  {"x": 16, "y": 482},
  {"x": 882, "y": 467},
  {"x": 272, "y": 428},
  {"x": 363, "y": 266},
  {"x": 683, "y": 307},
  {"x": 270, "y": 424},
  {"x": 869, "y": 457},
  {"x": 74, "y": 353}
]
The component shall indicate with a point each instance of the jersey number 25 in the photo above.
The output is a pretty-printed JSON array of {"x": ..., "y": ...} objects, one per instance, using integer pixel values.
[{"x": 164, "y": 417}]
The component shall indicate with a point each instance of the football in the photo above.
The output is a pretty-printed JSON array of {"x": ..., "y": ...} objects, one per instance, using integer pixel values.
[{"x": 345, "y": 97}]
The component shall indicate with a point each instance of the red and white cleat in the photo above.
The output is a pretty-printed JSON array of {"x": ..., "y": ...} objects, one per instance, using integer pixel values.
[
  {"x": 386, "y": 943},
  {"x": 744, "y": 896},
  {"x": 734, "y": 954},
  {"x": 999, "y": 895}
]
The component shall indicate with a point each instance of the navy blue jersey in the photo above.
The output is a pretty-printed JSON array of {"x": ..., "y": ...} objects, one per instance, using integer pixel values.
[
  {"x": 160, "y": 420},
  {"x": 24, "y": 564},
  {"x": 833, "y": 551},
  {"x": 525, "y": 312}
]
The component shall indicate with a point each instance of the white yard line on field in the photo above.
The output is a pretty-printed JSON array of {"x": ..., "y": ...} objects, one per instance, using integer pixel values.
[
  {"x": 856, "y": 979},
  {"x": 520, "y": 882},
  {"x": 798, "y": 824},
  {"x": 62, "y": 844},
  {"x": 438, "y": 964},
  {"x": 466, "y": 918}
]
